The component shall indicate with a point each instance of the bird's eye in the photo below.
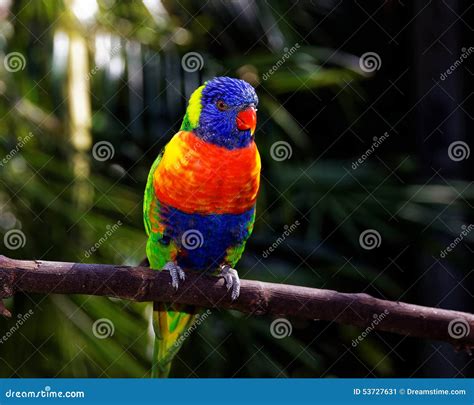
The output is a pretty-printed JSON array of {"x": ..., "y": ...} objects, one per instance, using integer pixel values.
[{"x": 221, "y": 105}]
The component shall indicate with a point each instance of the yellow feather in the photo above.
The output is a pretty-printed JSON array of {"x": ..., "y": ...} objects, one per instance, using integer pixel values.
[
  {"x": 195, "y": 106},
  {"x": 173, "y": 152}
]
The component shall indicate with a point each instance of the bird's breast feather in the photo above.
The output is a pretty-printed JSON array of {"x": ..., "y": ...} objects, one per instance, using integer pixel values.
[{"x": 197, "y": 176}]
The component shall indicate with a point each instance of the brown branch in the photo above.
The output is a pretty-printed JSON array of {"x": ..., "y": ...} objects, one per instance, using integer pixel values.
[{"x": 142, "y": 284}]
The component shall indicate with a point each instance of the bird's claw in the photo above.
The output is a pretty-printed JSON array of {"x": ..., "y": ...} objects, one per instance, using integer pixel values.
[
  {"x": 232, "y": 280},
  {"x": 176, "y": 273}
]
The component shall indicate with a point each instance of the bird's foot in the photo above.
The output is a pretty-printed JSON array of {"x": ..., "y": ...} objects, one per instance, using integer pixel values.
[
  {"x": 176, "y": 273},
  {"x": 232, "y": 280}
]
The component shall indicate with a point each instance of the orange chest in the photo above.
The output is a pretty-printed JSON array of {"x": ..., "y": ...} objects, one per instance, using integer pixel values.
[{"x": 197, "y": 177}]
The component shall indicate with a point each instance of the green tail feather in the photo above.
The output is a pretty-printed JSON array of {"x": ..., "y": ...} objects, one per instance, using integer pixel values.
[
  {"x": 169, "y": 324},
  {"x": 159, "y": 369}
]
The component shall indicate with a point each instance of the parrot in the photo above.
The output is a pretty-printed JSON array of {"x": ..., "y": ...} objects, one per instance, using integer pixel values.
[{"x": 200, "y": 202}]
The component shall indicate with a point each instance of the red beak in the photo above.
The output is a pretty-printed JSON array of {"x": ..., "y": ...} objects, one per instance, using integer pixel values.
[{"x": 247, "y": 119}]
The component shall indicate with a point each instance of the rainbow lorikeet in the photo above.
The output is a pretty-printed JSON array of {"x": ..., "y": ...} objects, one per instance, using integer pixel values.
[{"x": 199, "y": 206}]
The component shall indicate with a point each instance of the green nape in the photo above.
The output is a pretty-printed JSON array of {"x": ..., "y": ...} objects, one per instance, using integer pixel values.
[{"x": 186, "y": 125}]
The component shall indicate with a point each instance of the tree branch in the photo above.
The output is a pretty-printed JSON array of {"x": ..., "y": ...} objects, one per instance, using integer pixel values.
[{"x": 258, "y": 298}]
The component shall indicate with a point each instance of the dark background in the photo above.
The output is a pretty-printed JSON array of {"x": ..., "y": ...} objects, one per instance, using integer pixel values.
[{"x": 319, "y": 101}]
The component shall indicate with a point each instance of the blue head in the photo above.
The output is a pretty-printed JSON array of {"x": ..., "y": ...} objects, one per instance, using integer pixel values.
[{"x": 223, "y": 112}]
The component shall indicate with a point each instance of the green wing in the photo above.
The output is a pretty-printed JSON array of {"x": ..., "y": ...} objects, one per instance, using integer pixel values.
[
  {"x": 169, "y": 321},
  {"x": 158, "y": 253},
  {"x": 150, "y": 196}
]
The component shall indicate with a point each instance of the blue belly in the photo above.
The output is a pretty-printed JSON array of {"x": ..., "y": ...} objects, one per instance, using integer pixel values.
[{"x": 204, "y": 239}]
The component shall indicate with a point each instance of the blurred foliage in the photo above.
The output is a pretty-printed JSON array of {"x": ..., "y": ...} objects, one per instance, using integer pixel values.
[{"x": 64, "y": 200}]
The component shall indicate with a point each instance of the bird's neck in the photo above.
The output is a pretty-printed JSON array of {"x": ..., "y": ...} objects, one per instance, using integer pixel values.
[{"x": 230, "y": 140}]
